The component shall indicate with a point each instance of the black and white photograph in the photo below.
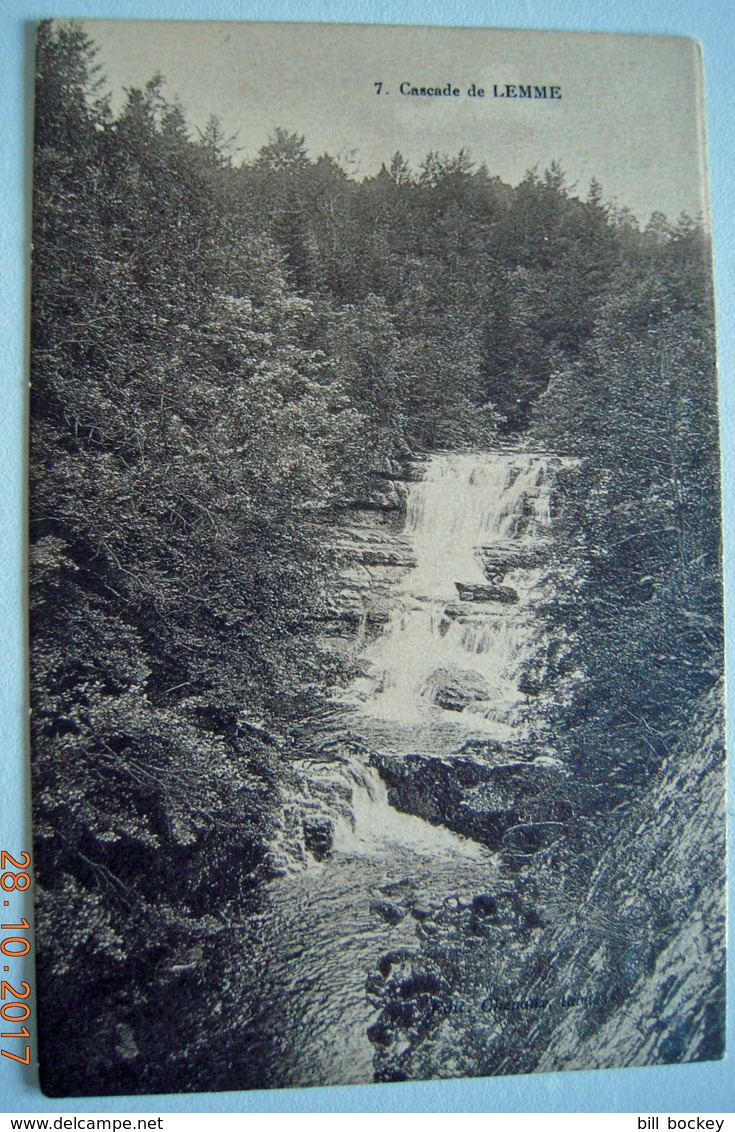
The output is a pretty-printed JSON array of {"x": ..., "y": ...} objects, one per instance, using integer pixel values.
[{"x": 376, "y": 629}]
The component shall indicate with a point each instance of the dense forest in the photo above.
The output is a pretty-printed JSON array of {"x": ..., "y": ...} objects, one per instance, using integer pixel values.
[{"x": 226, "y": 355}]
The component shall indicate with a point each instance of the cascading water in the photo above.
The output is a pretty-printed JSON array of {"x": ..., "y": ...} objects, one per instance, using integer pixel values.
[
  {"x": 444, "y": 669},
  {"x": 480, "y": 521}
]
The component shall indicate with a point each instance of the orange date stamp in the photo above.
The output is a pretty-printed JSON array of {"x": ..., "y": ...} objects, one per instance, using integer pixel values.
[{"x": 15, "y": 1011}]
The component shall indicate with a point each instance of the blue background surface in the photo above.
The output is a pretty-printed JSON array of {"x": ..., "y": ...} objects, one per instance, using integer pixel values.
[{"x": 705, "y": 1087}]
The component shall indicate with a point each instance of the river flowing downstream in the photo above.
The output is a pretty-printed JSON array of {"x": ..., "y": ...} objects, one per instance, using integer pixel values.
[{"x": 444, "y": 670}]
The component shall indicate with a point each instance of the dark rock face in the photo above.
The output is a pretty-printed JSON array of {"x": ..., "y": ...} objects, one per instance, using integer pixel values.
[
  {"x": 393, "y": 498},
  {"x": 511, "y": 803},
  {"x": 412, "y": 1000},
  {"x": 371, "y": 554}
]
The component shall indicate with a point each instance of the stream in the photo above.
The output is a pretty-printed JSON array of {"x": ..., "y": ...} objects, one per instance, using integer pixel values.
[{"x": 443, "y": 671}]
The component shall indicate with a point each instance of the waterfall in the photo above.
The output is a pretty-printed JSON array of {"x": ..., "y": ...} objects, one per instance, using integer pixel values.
[
  {"x": 443, "y": 669},
  {"x": 446, "y": 661},
  {"x": 465, "y": 502},
  {"x": 374, "y": 824}
]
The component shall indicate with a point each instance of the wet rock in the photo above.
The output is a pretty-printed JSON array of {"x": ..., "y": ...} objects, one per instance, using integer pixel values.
[
  {"x": 400, "y": 958},
  {"x": 499, "y": 560},
  {"x": 479, "y": 800},
  {"x": 491, "y": 751},
  {"x": 398, "y": 887},
  {"x": 412, "y": 999},
  {"x": 398, "y": 1013},
  {"x": 530, "y": 686},
  {"x": 393, "y": 498},
  {"x": 485, "y": 905},
  {"x": 548, "y": 662},
  {"x": 422, "y": 982},
  {"x": 454, "y": 688},
  {"x": 380, "y": 1033},
  {"x": 501, "y": 909},
  {"x": 354, "y": 617},
  {"x": 318, "y": 836},
  {"x": 375, "y": 984},
  {"x": 533, "y": 919},
  {"x": 505, "y": 594},
  {"x": 390, "y": 912},
  {"x": 387, "y": 468}
]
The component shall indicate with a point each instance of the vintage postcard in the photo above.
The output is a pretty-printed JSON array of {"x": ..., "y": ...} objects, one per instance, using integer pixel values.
[{"x": 376, "y": 596}]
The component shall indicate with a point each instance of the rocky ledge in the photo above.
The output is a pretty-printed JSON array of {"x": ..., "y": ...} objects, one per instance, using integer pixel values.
[
  {"x": 502, "y": 801},
  {"x": 506, "y": 595}
]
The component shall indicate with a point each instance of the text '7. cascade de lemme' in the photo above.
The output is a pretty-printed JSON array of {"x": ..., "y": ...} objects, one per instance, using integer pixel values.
[{"x": 530, "y": 91}]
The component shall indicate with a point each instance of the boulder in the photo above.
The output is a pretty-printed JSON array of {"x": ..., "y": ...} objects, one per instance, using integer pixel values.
[
  {"x": 421, "y": 911},
  {"x": 454, "y": 688},
  {"x": 389, "y": 911},
  {"x": 318, "y": 836}
]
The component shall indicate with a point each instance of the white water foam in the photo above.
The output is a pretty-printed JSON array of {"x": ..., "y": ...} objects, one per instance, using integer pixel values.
[{"x": 467, "y": 505}]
